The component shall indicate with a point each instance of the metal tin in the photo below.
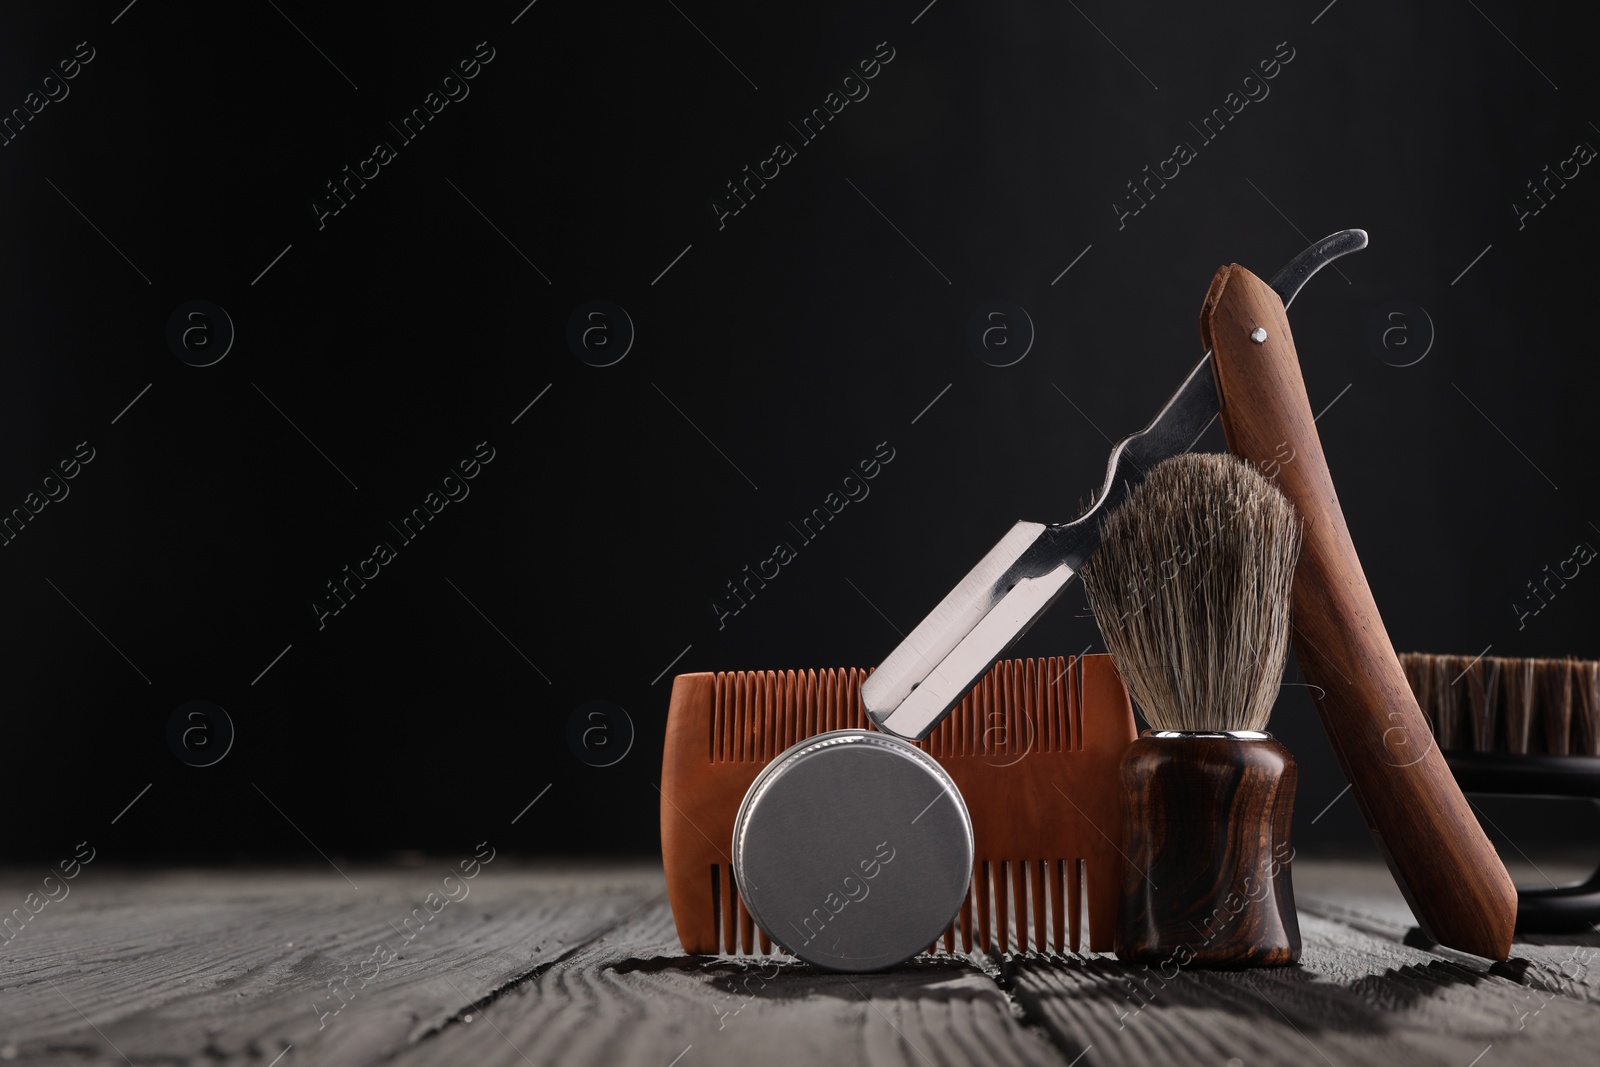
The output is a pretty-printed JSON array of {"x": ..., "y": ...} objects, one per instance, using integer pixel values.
[{"x": 853, "y": 850}]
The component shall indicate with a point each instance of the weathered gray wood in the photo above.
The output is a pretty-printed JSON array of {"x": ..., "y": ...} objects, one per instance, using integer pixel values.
[
  {"x": 633, "y": 998},
  {"x": 583, "y": 967},
  {"x": 1568, "y": 964},
  {"x": 1359, "y": 995},
  {"x": 1353, "y": 999},
  {"x": 189, "y": 967}
]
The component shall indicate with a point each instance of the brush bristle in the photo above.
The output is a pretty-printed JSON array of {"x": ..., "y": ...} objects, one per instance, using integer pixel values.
[
  {"x": 1555, "y": 704},
  {"x": 1191, "y": 589},
  {"x": 1586, "y": 707},
  {"x": 1447, "y": 699},
  {"x": 1483, "y": 701},
  {"x": 1502, "y": 704}
]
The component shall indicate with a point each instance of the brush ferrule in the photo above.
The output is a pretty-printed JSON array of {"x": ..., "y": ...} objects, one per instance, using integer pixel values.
[{"x": 1237, "y": 735}]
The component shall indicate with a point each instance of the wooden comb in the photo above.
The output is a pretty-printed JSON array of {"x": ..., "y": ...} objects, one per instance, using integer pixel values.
[{"x": 1035, "y": 748}]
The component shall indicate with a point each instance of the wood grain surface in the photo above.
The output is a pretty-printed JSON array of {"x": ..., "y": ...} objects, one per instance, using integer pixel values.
[{"x": 550, "y": 967}]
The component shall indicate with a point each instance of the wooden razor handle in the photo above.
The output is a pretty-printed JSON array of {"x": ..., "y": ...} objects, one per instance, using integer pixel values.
[{"x": 1456, "y": 885}]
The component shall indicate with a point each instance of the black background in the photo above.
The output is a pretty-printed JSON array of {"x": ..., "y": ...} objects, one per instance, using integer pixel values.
[{"x": 819, "y": 322}]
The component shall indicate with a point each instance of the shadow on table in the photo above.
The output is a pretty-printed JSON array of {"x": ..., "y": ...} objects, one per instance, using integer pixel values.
[
  {"x": 775, "y": 978},
  {"x": 1368, "y": 1006},
  {"x": 1281, "y": 994}
]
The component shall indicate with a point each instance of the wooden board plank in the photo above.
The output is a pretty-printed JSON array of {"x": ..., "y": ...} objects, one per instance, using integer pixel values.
[
  {"x": 1354, "y": 999},
  {"x": 583, "y": 966},
  {"x": 1359, "y": 895},
  {"x": 1359, "y": 995},
  {"x": 170, "y": 968},
  {"x": 1564, "y": 964},
  {"x": 634, "y": 998}
]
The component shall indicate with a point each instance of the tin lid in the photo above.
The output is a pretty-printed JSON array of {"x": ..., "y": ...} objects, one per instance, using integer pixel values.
[{"x": 853, "y": 850}]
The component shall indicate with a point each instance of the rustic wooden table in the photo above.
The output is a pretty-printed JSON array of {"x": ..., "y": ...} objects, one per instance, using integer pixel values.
[{"x": 563, "y": 965}]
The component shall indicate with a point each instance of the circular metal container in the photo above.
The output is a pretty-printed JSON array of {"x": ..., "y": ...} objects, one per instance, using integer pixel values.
[{"x": 853, "y": 850}]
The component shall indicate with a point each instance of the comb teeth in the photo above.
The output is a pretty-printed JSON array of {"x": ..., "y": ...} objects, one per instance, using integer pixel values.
[
  {"x": 1020, "y": 706},
  {"x": 736, "y": 929},
  {"x": 1024, "y": 905},
  {"x": 1035, "y": 749},
  {"x": 757, "y": 715}
]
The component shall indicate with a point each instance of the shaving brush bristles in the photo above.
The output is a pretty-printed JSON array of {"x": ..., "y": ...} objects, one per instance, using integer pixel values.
[{"x": 1191, "y": 586}]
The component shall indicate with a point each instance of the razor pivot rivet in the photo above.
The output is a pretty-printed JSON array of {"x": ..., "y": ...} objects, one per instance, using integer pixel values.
[{"x": 1259, "y": 335}]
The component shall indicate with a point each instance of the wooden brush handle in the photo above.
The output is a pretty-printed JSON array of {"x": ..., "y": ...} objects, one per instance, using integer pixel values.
[
  {"x": 1206, "y": 840},
  {"x": 1456, "y": 885}
]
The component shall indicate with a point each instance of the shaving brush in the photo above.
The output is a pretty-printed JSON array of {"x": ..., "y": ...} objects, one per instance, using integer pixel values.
[{"x": 1190, "y": 587}]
